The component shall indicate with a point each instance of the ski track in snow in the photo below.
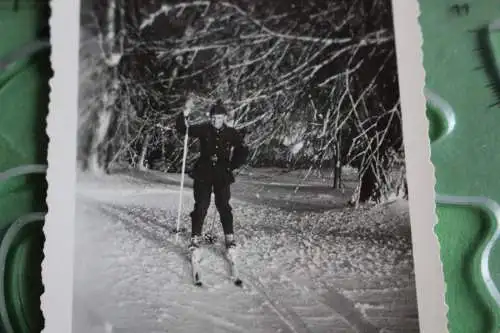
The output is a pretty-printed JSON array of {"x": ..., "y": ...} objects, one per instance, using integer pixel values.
[{"x": 302, "y": 273}]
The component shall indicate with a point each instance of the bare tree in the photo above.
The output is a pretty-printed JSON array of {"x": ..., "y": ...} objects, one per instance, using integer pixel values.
[{"x": 110, "y": 32}]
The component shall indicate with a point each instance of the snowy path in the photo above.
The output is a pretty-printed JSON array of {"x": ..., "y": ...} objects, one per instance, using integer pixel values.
[{"x": 300, "y": 275}]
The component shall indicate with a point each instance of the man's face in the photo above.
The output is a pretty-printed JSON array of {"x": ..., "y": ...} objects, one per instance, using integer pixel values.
[{"x": 218, "y": 120}]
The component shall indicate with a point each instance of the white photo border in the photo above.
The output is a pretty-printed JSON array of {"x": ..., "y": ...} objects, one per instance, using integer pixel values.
[
  {"x": 432, "y": 308},
  {"x": 57, "y": 267}
]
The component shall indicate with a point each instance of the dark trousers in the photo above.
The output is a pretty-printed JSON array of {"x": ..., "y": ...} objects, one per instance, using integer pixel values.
[{"x": 202, "y": 192}]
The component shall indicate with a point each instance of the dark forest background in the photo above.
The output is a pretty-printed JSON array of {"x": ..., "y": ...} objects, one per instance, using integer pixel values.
[{"x": 312, "y": 83}]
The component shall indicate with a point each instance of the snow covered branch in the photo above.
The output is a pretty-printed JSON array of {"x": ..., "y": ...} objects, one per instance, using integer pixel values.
[{"x": 165, "y": 9}]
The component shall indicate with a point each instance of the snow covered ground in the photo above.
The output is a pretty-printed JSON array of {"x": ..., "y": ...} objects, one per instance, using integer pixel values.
[{"x": 317, "y": 271}]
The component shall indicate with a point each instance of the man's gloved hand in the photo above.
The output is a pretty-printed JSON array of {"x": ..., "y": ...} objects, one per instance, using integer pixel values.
[{"x": 188, "y": 108}]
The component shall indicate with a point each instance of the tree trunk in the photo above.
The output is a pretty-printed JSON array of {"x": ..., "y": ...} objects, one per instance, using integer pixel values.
[
  {"x": 369, "y": 187},
  {"x": 337, "y": 175},
  {"x": 94, "y": 163},
  {"x": 111, "y": 53},
  {"x": 142, "y": 165},
  {"x": 366, "y": 190}
]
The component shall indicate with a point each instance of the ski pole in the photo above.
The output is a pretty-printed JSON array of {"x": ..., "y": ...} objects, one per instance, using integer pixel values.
[{"x": 184, "y": 156}]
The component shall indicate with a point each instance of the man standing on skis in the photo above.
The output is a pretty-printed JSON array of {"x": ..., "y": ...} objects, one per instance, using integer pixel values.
[{"x": 222, "y": 150}]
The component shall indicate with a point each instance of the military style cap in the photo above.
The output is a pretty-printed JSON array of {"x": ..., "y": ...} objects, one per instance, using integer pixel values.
[{"x": 218, "y": 108}]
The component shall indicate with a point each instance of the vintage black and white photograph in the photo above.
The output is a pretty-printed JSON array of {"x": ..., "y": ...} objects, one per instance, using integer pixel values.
[{"x": 241, "y": 168}]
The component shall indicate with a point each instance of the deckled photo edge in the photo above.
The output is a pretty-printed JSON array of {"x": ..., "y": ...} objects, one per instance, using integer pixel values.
[
  {"x": 57, "y": 266},
  {"x": 421, "y": 179},
  {"x": 62, "y": 119}
]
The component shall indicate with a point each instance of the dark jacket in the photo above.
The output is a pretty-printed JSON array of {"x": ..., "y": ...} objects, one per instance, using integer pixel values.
[{"x": 216, "y": 162}]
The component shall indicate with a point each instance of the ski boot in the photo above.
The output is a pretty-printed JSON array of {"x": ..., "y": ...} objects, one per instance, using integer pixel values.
[
  {"x": 210, "y": 238},
  {"x": 195, "y": 243},
  {"x": 230, "y": 242}
]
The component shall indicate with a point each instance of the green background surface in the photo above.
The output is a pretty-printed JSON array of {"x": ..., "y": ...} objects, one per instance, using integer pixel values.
[
  {"x": 460, "y": 67},
  {"x": 24, "y": 97}
]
